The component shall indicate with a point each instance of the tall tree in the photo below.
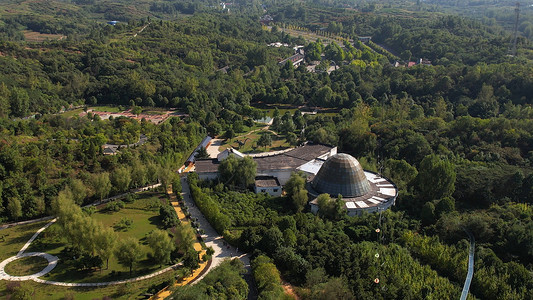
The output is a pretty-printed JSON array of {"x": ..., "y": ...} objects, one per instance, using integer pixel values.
[
  {"x": 436, "y": 178},
  {"x": 296, "y": 192},
  {"x": 105, "y": 241},
  {"x": 161, "y": 245},
  {"x": 121, "y": 178},
  {"x": 101, "y": 185},
  {"x": 129, "y": 252}
]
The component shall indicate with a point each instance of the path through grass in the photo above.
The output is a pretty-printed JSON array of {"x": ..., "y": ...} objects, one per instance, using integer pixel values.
[{"x": 26, "y": 266}]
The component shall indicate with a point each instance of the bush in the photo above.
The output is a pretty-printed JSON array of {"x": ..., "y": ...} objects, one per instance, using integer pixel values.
[
  {"x": 115, "y": 206},
  {"x": 168, "y": 216},
  {"x": 130, "y": 198},
  {"x": 124, "y": 224}
]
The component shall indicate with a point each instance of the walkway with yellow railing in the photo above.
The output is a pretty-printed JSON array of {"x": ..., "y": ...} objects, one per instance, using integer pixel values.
[{"x": 197, "y": 246}]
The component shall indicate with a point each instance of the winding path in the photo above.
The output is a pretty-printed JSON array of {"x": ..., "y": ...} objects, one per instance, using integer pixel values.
[
  {"x": 212, "y": 239},
  {"x": 53, "y": 260},
  {"x": 470, "y": 273},
  {"x": 134, "y": 191}
]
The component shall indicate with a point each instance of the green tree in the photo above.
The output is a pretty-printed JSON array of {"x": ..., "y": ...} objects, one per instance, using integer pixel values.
[
  {"x": 161, "y": 245},
  {"x": 184, "y": 238},
  {"x": 230, "y": 134},
  {"x": 427, "y": 214},
  {"x": 101, "y": 185},
  {"x": 138, "y": 174},
  {"x": 121, "y": 178},
  {"x": 129, "y": 252},
  {"x": 436, "y": 178},
  {"x": 296, "y": 192},
  {"x": 238, "y": 171},
  {"x": 14, "y": 208},
  {"x": 292, "y": 139},
  {"x": 19, "y": 101},
  {"x": 79, "y": 191},
  {"x": 265, "y": 140},
  {"x": 202, "y": 153},
  {"x": 105, "y": 241}
]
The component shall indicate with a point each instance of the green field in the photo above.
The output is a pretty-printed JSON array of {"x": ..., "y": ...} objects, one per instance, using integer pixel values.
[
  {"x": 250, "y": 143},
  {"x": 26, "y": 266},
  {"x": 145, "y": 219},
  {"x": 12, "y": 239},
  {"x": 134, "y": 290},
  {"x": 110, "y": 109}
]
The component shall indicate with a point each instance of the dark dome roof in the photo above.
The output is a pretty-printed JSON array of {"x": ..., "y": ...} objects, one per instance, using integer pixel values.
[{"x": 341, "y": 174}]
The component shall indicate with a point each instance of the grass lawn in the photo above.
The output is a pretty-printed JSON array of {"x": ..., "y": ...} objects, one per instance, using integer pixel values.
[
  {"x": 134, "y": 290},
  {"x": 111, "y": 109},
  {"x": 270, "y": 111},
  {"x": 26, "y": 266},
  {"x": 250, "y": 142},
  {"x": 15, "y": 237},
  {"x": 145, "y": 219},
  {"x": 72, "y": 113}
]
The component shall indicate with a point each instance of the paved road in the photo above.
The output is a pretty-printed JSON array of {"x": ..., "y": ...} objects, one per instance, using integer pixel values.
[
  {"x": 142, "y": 139},
  {"x": 470, "y": 273},
  {"x": 212, "y": 239},
  {"x": 212, "y": 150}
]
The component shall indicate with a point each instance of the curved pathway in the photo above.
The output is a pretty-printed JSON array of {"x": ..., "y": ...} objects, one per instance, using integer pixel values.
[
  {"x": 212, "y": 239},
  {"x": 470, "y": 273},
  {"x": 53, "y": 260},
  {"x": 134, "y": 191}
]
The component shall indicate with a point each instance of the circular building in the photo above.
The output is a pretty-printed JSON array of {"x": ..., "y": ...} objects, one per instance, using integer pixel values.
[{"x": 361, "y": 190}]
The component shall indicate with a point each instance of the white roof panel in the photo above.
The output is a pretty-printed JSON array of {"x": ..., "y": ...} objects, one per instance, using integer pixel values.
[
  {"x": 311, "y": 167},
  {"x": 388, "y": 191},
  {"x": 350, "y": 205},
  {"x": 374, "y": 201},
  {"x": 362, "y": 204}
]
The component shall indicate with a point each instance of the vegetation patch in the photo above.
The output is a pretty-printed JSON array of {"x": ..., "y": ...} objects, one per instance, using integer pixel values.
[
  {"x": 12, "y": 239},
  {"x": 26, "y": 266},
  {"x": 32, "y": 36},
  {"x": 136, "y": 220}
]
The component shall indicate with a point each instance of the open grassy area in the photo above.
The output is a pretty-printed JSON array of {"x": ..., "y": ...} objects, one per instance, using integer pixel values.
[
  {"x": 32, "y": 36},
  {"x": 144, "y": 214},
  {"x": 12, "y": 239},
  {"x": 26, "y": 266},
  {"x": 134, "y": 290},
  {"x": 250, "y": 143},
  {"x": 111, "y": 109},
  {"x": 72, "y": 113}
]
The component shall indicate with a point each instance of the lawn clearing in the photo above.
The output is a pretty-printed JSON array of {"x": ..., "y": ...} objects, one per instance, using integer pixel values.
[
  {"x": 26, "y": 266},
  {"x": 111, "y": 109},
  {"x": 72, "y": 113},
  {"x": 32, "y": 36},
  {"x": 12, "y": 239},
  {"x": 144, "y": 217},
  {"x": 250, "y": 143},
  {"x": 134, "y": 290}
]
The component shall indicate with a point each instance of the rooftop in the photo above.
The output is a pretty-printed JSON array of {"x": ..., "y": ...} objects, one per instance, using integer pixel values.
[
  {"x": 266, "y": 181},
  {"x": 382, "y": 191},
  {"x": 341, "y": 174},
  {"x": 288, "y": 160}
]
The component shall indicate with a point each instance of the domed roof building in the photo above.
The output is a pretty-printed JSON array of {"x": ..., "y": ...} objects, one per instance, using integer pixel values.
[{"x": 341, "y": 174}]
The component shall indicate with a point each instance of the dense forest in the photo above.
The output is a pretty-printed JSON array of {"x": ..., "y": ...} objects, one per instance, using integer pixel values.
[{"x": 455, "y": 136}]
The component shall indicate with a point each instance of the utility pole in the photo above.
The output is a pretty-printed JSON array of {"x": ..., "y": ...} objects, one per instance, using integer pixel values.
[{"x": 512, "y": 47}]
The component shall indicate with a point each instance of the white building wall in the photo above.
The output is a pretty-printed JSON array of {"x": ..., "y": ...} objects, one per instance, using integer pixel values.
[
  {"x": 208, "y": 176},
  {"x": 274, "y": 191},
  {"x": 282, "y": 175}
]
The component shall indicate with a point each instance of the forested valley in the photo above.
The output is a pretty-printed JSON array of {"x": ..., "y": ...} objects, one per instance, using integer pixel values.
[{"x": 455, "y": 135}]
